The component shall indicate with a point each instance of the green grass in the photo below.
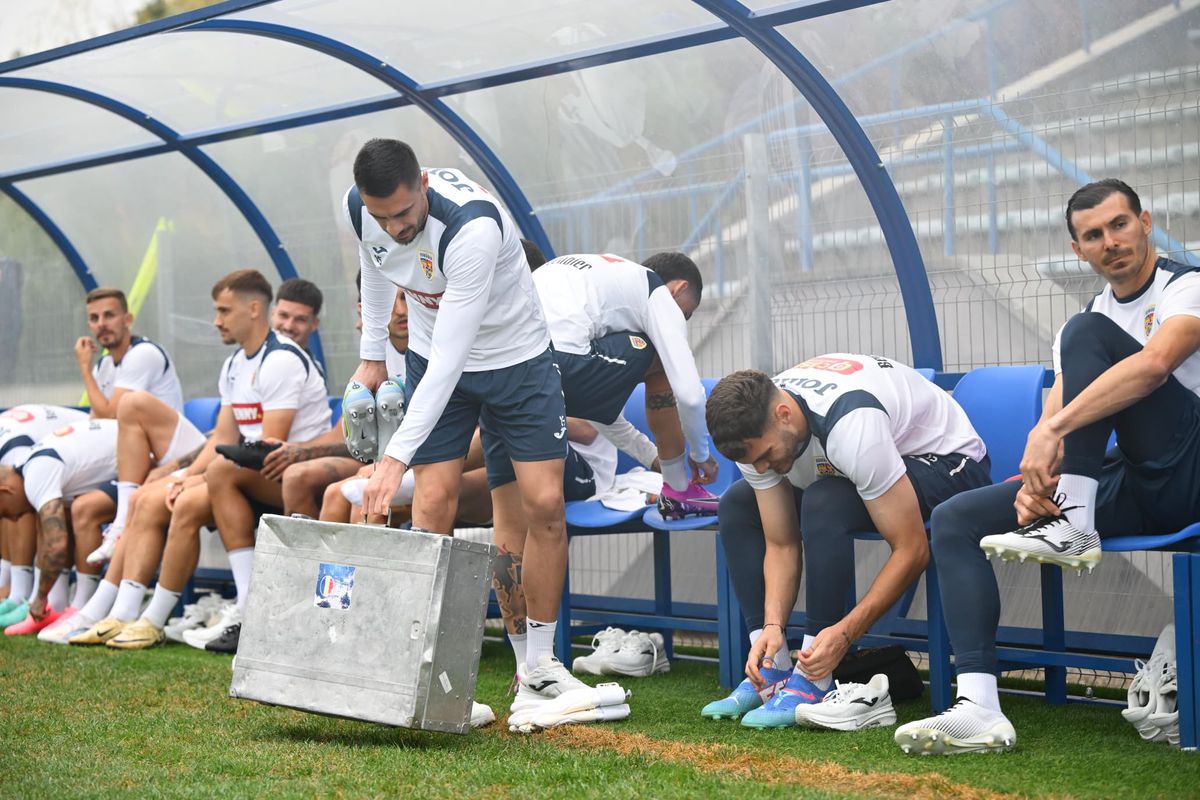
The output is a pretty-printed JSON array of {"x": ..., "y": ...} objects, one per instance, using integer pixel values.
[{"x": 91, "y": 723}]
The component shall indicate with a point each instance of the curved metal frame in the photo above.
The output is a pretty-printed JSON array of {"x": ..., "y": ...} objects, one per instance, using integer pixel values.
[
  {"x": 893, "y": 219},
  {"x": 231, "y": 188},
  {"x": 506, "y": 186},
  {"x": 54, "y": 232}
]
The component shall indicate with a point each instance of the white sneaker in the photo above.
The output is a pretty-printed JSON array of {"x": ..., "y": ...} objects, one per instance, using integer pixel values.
[
  {"x": 604, "y": 643},
  {"x": 640, "y": 654},
  {"x": 108, "y": 543},
  {"x": 572, "y": 706},
  {"x": 64, "y": 628},
  {"x": 851, "y": 707},
  {"x": 1049, "y": 540},
  {"x": 195, "y": 615},
  {"x": 1166, "y": 714},
  {"x": 200, "y": 637},
  {"x": 549, "y": 681},
  {"x": 481, "y": 715},
  {"x": 1145, "y": 698},
  {"x": 965, "y": 727}
]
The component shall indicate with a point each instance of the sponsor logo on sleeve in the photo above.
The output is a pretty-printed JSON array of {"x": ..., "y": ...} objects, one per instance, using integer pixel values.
[
  {"x": 378, "y": 254},
  {"x": 842, "y": 366},
  {"x": 248, "y": 413}
]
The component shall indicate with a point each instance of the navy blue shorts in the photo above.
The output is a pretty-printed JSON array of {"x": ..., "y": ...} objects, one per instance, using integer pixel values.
[
  {"x": 519, "y": 410},
  {"x": 596, "y": 386},
  {"x": 579, "y": 481},
  {"x": 109, "y": 489},
  {"x": 937, "y": 478}
]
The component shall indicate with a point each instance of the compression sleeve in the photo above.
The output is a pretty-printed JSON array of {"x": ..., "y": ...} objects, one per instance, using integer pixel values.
[{"x": 626, "y": 437}]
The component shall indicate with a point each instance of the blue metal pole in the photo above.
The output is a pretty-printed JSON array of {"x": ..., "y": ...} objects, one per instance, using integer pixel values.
[
  {"x": 231, "y": 188},
  {"x": 504, "y": 183},
  {"x": 897, "y": 231},
  {"x": 54, "y": 232}
]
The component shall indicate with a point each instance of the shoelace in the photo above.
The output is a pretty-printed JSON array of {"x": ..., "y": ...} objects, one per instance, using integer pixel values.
[
  {"x": 842, "y": 692},
  {"x": 1043, "y": 522}
]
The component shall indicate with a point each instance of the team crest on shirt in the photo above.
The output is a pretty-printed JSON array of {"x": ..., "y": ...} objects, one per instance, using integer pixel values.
[
  {"x": 426, "y": 264},
  {"x": 824, "y": 468},
  {"x": 1148, "y": 322},
  {"x": 638, "y": 342},
  {"x": 377, "y": 255}
]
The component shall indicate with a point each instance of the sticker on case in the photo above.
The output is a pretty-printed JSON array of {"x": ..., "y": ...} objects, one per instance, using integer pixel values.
[{"x": 335, "y": 584}]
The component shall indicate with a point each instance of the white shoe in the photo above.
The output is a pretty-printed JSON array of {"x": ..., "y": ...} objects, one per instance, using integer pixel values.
[
  {"x": 965, "y": 727},
  {"x": 481, "y": 715},
  {"x": 549, "y": 681},
  {"x": 1145, "y": 698},
  {"x": 359, "y": 426},
  {"x": 64, "y": 628},
  {"x": 108, "y": 543},
  {"x": 604, "y": 643},
  {"x": 569, "y": 707},
  {"x": 640, "y": 654},
  {"x": 1166, "y": 715},
  {"x": 200, "y": 637},
  {"x": 1049, "y": 540},
  {"x": 200, "y": 614},
  {"x": 596, "y": 714},
  {"x": 851, "y": 707},
  {"x": 389, "y": 411}
]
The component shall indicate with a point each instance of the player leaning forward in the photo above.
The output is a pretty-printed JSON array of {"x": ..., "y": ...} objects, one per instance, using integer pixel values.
[{"x": 479, "y": 351}]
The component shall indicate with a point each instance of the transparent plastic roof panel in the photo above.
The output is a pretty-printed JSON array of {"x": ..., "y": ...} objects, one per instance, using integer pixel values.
[
  {"x": 42, "y": 129},
  {"x": 436, "y": 42},
  {"x": 199, "y": 80}
]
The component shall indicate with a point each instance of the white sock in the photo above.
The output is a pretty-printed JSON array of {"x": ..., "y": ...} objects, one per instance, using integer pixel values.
[
  {"x": 22, "y": 582},
  {"x": 128, "y": 604},
  {"x": 101, "y": 602},
  {"x": 783, "y": 659},
  {"x": 1079, "y": 498},
  {"x": 124, "y": 490},
  {"x": 241, "y": 561},
  {"x": 822, "y": 684},
  {"x": 539, "y": 641},
  {"x": 979, "y": 688},
  {"x": 518, "y": 642},
  {"x": 406, "y": 490},
  {"x": 85, "y": 587},
  {"x": 60, "y": 592},
  {"x": 675, "y": 473},
  {"x": 161, "y": 605},
  {"x": 37, "y": 579},
  {"x": 5, "y": 572}
]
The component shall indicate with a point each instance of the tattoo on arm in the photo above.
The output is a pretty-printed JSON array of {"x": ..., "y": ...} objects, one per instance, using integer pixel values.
[
  {"x": 54, "y": 552},
  {"x": 326, "y": 450},
  {"x": 510, "y": 590},
  {"x": 657, "y": 402}
]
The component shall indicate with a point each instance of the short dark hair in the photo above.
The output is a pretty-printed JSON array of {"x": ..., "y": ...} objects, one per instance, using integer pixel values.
[
  {"x": 244, "y": 281},
  {"x": 1096, "y": 193},
  {"x": 533, "y": 254},
  {"x": 383, "y": 165},
  {"x": 738, "y": 409},
  {"x": 299, "y": 290},
  {"x": 106, "y": 293},
  {"x": 671, "y": 266}
]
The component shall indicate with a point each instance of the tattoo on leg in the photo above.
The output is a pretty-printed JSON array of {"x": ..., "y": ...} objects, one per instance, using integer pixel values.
[
  {"x": 657, "y": 402},
  {"x": 510, "y": 590}
]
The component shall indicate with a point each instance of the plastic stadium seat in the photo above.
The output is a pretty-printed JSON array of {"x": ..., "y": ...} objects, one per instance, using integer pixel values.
[
  {"x": 1003, "y": 403},
  {"x": 202, "y": 412}
]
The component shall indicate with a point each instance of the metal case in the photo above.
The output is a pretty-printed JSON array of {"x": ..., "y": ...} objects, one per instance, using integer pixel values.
[{"x": 364, "y": 622}]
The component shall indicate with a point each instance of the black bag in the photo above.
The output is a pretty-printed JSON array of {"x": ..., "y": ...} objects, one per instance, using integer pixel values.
[{"x": 861, "y": 665}]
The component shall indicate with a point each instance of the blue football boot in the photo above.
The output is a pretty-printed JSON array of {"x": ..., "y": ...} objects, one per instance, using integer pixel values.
[
  {"x": 747, "y": 697},
  {"x": 358, "y": 423},
  {"x": 780, "y": 710}
]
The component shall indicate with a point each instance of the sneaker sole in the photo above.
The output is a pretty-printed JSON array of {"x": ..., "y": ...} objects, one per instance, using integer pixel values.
[
  {"x": 632, "y": 672},
  {"x": 931, "y": 742},
  {"x": 876, "y": 719},
  {"x": 1089, "y": 558}
]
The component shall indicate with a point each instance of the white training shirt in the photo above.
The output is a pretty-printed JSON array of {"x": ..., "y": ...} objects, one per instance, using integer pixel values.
[
  {"x": 21, "y": 427},
  {"x": 146, "y": 368},
  {"x": 75, "y": 459},
  {"x": 586, "y": 297},
  {"x": 468, "y": 263},
  {"x": 396, "y": 366},
  {"x": 865, "y": 413},
  {"x": 279, "y": 375},
  {"x": 1174, "y": 290}
]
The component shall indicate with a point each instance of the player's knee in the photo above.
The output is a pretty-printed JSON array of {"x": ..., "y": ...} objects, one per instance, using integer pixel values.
[
  {"x": 543, "y": 505},
  {"x": 192, "y": 508},
  {"x": 221, "y": 473},
  {"x": 1088, "y": 330},
  {"x": 131, "y": 406},
  {"x": 950, "y": 525}
]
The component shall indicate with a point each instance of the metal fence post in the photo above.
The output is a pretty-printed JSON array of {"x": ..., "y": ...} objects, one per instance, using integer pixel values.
[
  {"x": 758, "y": 224},
  {"x": 948, "y": 185}
]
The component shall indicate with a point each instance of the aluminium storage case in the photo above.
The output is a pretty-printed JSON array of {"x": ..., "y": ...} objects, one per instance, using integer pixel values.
[{"x": 364, "y": 622}]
